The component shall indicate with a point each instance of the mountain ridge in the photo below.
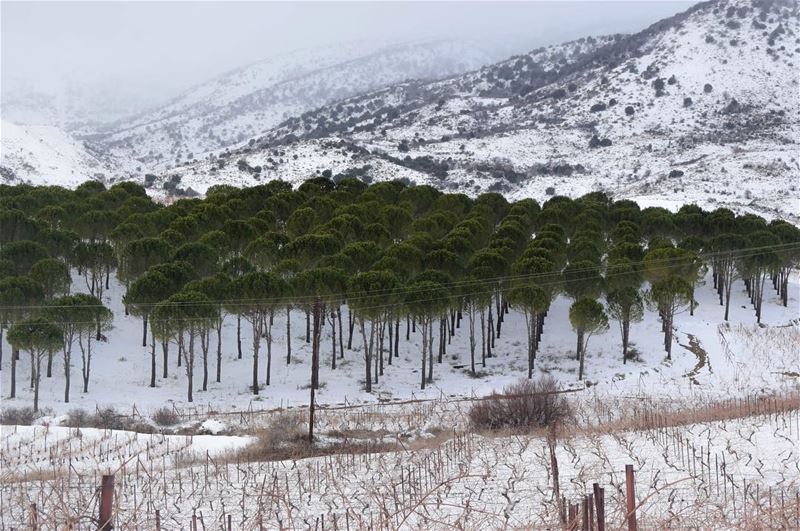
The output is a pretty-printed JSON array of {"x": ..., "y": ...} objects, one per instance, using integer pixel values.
[
  {"x": 715, "y": 85},
  {"x": 700, "y": 106}
]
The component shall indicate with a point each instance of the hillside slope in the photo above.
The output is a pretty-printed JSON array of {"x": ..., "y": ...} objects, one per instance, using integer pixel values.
[
  {"x": 248, "y": 101},
  {"x": 42, "y": 154},
  {"x": 702, "y": 106}
]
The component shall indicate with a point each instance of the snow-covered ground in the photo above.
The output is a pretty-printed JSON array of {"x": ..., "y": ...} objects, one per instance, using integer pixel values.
[
  {"x": 740, "y": 358},
  {"x": 48, "y": 155},
  {"x": 726, "y": 474},
  {"x": 439, "y": 472},
  {"x": 103, "y": 451}
]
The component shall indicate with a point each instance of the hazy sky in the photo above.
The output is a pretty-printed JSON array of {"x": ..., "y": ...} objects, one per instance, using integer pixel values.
[{"x": 150, "y": 51}]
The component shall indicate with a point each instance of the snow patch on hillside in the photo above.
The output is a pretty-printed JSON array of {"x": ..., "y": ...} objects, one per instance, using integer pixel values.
[{"x": 47, "y": 155}]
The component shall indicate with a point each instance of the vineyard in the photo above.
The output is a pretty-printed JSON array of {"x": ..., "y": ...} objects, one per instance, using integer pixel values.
[{"x": 714, "y": 464}]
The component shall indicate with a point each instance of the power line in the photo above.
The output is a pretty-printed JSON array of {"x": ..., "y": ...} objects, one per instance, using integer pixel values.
[
  {"x": 487, "y": 291},
  {"x": 300, "y": 299}
]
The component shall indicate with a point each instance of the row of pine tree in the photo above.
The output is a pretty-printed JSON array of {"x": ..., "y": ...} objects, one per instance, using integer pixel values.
[{"x": 377, "y": 262}]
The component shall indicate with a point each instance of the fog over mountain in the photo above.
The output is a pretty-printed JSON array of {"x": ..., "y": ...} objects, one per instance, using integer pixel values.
[{"x": 66, "y": 62}]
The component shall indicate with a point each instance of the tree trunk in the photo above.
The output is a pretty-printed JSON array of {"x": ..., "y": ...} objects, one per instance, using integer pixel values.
[
  {"x": 269, "y": 346},
  {"x": 490, "y": 334},
  {"x": 367, "y": 355},
  {"x": 471, "y": 313},
  {"x": 67, "y": 370},
  {"x": 288, "y": 335},
  {"x": 530, "y": 325},
  {"x": 351, "y": 322},
  {"x": 483, "y": 337},
  {"x": 785, "y": 290},
  {"x": 239, "y": 335},
  {"x": 381, "y": 336},
  {"x": 668, "y": 335},
  {"x": 190, "y": 364},
  {"x": 626, "y": 325},
  {"x": 759, "y": 294},
  {"x": 219, "y": 350},
  {"x": 205, "y": 344},
  {"x": 37, "y": 379},
  {"x": 441, "y": 341},
  {"x": 727, "y": 299},
  {"x": 333, "y": 340},
  {"x": 430, "y": 350},
  {"x": 390, "y": 329},
  {"x": 424, "y": 352},
  {"x": 581, "y": 354},
  {"x": 153, "y": 361},
  {"x": 49, "y": 364},
  {"x": 311, "y": 416},
  {"x": 165, "y": 353},
  {"x": 256, "y": 322},
  {"x": 341, "y": 336},
  {"x": 87, "y": 363},
  {"x": 317, "y": 333},
  {"x": 397, "y": 337},
  {"x": 308, "y": 327},
  {"x": 314, "y": 366},
  {"x": 540, "y": 327},
  {"x": 144, "y": 330},
  {"x": 14, "y": 358}
]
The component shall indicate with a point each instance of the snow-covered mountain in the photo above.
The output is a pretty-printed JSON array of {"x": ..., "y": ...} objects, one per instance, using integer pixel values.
[
  {"x": 701, "y": 106},
  {"x": 70, "y": 103},
  {"x": 247, "y": 102},
  {"x": 45, "y": 154}
]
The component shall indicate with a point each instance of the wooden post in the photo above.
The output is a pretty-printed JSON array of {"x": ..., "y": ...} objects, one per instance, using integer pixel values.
[
  {"x": 34, "y": 517},
  {"x": 229, "y": 523},
  {"x": 158, "y": 520},
  {"x": 630, "y": 495},
  {"x": 600, "y": 507},
  {"x": 585, "y": 510},
  {"x": 107, "y": 503}
]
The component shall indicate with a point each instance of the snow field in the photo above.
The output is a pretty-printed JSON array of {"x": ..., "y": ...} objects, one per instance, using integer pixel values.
[{"x": 739, "y": 358}]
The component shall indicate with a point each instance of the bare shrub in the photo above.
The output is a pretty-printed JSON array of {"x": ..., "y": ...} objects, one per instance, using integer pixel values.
[
  {"x": 165, "y": 416},
  {"x": 141, "y": 427},
  {"x": 525, "y": 404},
  {"x": 20, "y": 416},
  {"x": 105, "y": 419},
  {"x": 284, "y": 436},
  {"x": 109, "y": 419},
  {"x": 284, "y": 429},
  {"x": 77, "y": 418}
]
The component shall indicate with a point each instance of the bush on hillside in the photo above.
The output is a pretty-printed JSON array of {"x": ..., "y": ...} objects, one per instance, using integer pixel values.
[{"x": 525, "y": 404}]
